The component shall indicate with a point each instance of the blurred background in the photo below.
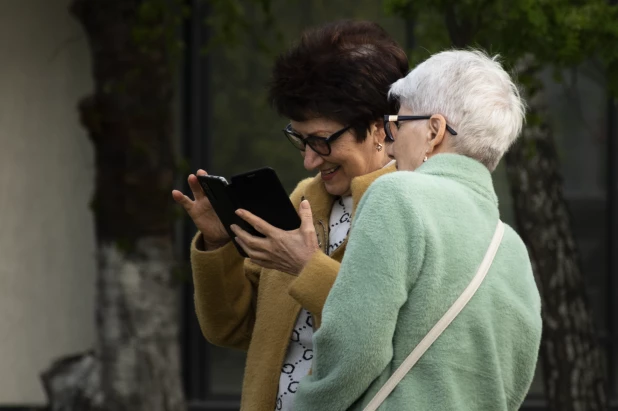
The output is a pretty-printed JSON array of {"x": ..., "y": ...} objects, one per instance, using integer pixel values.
[{"x": 74, "y": 73}]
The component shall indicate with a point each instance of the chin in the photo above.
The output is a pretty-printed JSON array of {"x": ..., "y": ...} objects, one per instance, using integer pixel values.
[
  {"x": 404, "y": 167},
  {"x": 335, "y": 189}
]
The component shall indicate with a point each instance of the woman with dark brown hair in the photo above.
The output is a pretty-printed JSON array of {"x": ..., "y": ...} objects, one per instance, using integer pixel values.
[{"x": 333, "y": 87}]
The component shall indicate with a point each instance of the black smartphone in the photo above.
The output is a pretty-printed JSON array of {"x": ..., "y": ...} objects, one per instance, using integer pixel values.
[
  {"x": 217, "y": 190},
  {"x": 259, "y": 192}
]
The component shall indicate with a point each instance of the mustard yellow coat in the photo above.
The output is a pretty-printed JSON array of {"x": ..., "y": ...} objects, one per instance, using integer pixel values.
[{"x": 241, "y": 305}]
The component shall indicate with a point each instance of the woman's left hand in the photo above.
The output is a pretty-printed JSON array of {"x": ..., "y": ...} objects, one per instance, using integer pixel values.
[{"x": 287, "y": 251}]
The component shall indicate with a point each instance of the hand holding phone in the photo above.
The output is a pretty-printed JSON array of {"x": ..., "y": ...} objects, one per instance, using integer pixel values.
[
  {"x": 285, "y": 251},
  {"x": 201, "y": 212},
  {"x": 259, "y": 192}
]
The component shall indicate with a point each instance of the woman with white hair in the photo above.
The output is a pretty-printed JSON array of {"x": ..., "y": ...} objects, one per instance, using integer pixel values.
[{"x": 437, "y": 275}]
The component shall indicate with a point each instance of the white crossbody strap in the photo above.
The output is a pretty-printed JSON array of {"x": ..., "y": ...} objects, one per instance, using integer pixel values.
[{"x": 441, "y": 325}]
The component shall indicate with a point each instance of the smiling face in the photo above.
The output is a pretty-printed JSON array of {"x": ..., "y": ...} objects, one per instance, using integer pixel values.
[{"x": 349, "y": 158}]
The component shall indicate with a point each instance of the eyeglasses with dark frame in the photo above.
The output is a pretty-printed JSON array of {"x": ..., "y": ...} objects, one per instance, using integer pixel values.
[
  {"x": 395, "y": 119},
  {"x": 320, "y": 145}
]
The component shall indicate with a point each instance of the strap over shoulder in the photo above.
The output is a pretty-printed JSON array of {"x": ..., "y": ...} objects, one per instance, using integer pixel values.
[{"x": 441, "y": 325}]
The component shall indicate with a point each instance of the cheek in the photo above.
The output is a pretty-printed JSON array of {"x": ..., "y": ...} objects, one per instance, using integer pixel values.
[
  {"x": 358, "y": 156},
  {"x": 419, "y": 138},
  {"x": 401, "y": 146},
  {"x": 347, "y": 154},
  {"x": 413, "y": 142}
]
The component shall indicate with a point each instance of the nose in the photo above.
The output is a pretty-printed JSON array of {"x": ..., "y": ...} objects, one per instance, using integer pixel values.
[{"x": 312, "y": 160}]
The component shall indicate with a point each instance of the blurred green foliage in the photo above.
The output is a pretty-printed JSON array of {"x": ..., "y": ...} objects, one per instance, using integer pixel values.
[
  {"x": 246, "y": 132},
  {"x": 556, "y": 33},
  {"x": 573, "y": 39},
  {"x": 248, "y": 34}
]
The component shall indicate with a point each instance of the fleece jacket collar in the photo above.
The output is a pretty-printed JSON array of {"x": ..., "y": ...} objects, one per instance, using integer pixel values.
[{"x": 462, "y": 169}]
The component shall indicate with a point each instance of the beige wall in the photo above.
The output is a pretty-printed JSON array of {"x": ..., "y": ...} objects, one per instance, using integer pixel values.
[{"x": 47, "y": 265}]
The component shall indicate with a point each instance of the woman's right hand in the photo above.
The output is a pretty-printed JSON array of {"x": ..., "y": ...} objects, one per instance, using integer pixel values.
[{"x": 201, "y": 212}]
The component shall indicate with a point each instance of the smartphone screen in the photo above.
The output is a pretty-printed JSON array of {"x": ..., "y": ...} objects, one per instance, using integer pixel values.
[{"x": 261, "y": 193}]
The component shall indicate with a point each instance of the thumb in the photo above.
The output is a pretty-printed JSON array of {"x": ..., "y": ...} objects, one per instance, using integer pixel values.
[{"x": 306, "y": 216}]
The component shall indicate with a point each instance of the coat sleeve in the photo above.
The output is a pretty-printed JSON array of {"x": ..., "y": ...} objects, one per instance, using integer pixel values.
[
  {"x": 354, "y": 344},
  {"x": 314, "y": 283},
  {"x": 226, "y": 286},
  {"x": 225, "y": 294}
]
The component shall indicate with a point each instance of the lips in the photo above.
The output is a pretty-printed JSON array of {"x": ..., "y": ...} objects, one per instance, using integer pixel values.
[{"x": 329, "y": 173}]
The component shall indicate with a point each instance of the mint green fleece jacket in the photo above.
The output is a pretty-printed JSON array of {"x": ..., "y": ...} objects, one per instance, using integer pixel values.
[{"x": 416, "y": 242}]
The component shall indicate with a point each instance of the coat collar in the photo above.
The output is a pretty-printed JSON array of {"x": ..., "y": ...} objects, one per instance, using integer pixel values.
[
  {"x": 462, "y": 169},
  {"x": 322, "y": 202}
]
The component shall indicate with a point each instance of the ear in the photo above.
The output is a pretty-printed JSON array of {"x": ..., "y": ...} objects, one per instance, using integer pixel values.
[
  {"x": 377, "y": 132},
  {"x": 436, "y": 131}
]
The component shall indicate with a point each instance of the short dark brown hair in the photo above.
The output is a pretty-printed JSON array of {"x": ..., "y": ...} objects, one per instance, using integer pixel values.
[{"x": 341, "y": 71}]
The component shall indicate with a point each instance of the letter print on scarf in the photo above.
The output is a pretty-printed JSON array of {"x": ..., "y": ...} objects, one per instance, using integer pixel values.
[
  {"x": 298, "y": 359},
  {"x": 340, "y": 219},
  {"x": 301, "y": 353}
]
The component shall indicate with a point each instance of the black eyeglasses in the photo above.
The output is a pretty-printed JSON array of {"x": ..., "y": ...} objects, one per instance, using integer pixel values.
[
  {"x": 320, "y": 145},
  {"x": 391, "y": 125}
]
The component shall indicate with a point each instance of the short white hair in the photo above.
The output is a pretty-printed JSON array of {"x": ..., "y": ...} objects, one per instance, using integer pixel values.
[{"x": 475, "y": 95}]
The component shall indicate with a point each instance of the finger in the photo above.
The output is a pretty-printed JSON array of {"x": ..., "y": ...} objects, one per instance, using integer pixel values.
[
  {"x": 195, "y": 187},
  {"x": 251, "y": 251},
  {"x": 253, "y": 242},
  {"x": 244, "y": 246},
  {"x": 201, "y": 172},
  {"x": 306, "y": 217},
  {"x": 182, "y": 199},
  {"x": 260, "y": 225}
]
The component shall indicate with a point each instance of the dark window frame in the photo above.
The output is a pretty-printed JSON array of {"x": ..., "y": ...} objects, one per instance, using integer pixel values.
[
  {"x": 196, "y": 149},
  {"x": 612, "y": 244}
]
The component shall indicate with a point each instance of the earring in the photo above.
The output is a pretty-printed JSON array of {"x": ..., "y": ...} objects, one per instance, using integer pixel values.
[
  {"x": 380, "y": 147},
  {"x": 425, "y": 159}
]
